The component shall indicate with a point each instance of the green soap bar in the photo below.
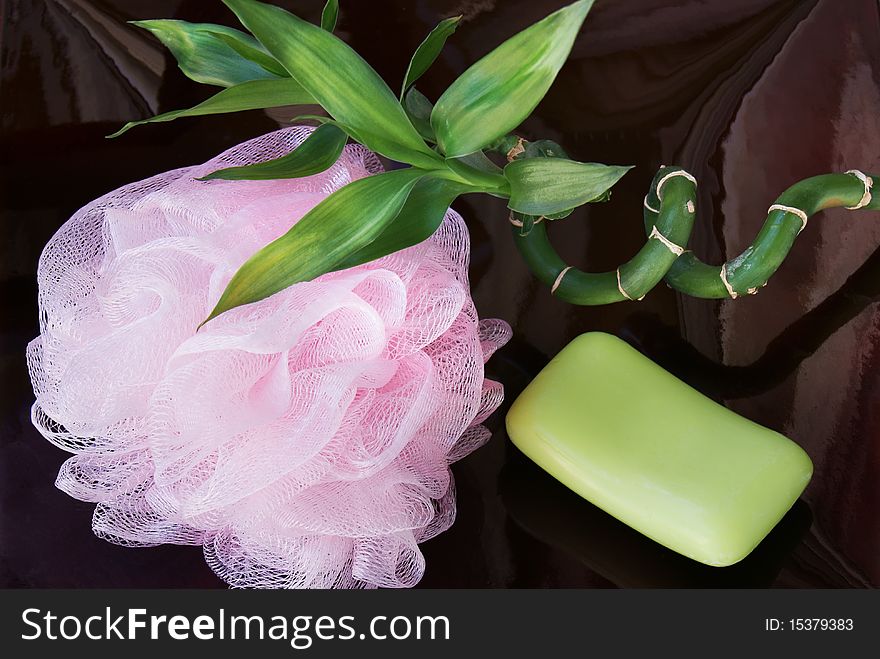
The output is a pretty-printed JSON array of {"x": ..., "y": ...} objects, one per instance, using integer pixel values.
[{"x": 658, "y": 455}]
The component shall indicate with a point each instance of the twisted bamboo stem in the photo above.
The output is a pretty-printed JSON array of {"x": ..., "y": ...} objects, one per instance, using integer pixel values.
[{"x": 669, "y": 212}]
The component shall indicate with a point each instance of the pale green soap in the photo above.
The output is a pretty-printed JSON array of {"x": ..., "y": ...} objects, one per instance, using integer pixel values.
[{"x": 655, "y": 453}]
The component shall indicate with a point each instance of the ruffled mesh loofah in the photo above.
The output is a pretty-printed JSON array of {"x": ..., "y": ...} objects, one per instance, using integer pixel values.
[{"x": 304, "y": 441}]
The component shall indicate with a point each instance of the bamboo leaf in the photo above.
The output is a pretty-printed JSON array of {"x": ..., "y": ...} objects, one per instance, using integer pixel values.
[
  {"x": 542, "y": 149},
  {"x": 418, "y": 109},
  {"x": 319, "y": 119},
  {"x": 330, "y": 15},
  {"x": 323, "y": 120},
  {"x": 419, "y": 218},
  {"x": 478, "y": 170},
  {"x": 340, "y": 225},
  {"x": 561, "y": 215},
  {"x": 253, "y": 50},
  {"x": 339, "y": 80},
  {"x": 317, "y": 153},
  {"x": 251, "y": 95},
  {"x": 428, "y": 51},
  {"x": 547, "y": 186},
  {"x": 527, "y": 222},
  {"x": 205, "y": 52},
  {"x": 497, "y": 93},
  {"x": 480, "y": 161}
]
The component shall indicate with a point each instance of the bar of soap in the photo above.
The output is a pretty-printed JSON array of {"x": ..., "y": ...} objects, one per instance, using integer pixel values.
[{"x": 656, "y": 454}]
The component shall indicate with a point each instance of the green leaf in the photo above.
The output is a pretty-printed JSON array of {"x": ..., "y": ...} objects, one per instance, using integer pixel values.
[
  {"x": 418, "y": 109},
  {"x": 524, "y": 223},
  {"x": 330, "y": 15},
  {"x": 343, "y": 223},
  {"x": 480, "y": 161},
  {"x": 481, "y": 173},
  {"x": 322, "y": 120},
  {"x": 419, "y": 218},
  {"x": 251, "y": 95},
  {"x": 497, "y": 93},
  {"x": 546, "y": 186},
  {"x": 339, "y": 80},
  {"x": 428, "y": 51},
  {"x": 561, "y": 215},
  {"x": 205, "y": 52},
  {"x": 253, "y": 50},
  {"x": 543, "y": 149},
  {"x": 317, "y": 153}
]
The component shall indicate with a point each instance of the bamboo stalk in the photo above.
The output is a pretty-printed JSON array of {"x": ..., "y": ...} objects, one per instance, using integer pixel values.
[{"x": 669, "y": 212}]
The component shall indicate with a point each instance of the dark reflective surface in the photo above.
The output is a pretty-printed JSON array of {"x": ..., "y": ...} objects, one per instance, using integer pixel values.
[
  {"x": 749, "y": 95},
  {"x": 556, "y": 517}
]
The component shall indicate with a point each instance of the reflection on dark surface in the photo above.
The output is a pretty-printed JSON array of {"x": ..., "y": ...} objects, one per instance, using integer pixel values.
[
  {"x": 556, "y": 516},
  {"x": 749, "y": 95}
]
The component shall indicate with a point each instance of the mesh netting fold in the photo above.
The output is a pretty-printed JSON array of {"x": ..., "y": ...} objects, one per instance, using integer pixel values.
[{"x": 303, "y": 441}]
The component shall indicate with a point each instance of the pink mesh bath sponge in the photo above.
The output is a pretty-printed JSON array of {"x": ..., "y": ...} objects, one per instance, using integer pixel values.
[{"x": 303, "y": 441}]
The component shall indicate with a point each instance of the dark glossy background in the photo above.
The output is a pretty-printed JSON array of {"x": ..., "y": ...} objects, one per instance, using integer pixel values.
[{"x": 749, "y": 95}]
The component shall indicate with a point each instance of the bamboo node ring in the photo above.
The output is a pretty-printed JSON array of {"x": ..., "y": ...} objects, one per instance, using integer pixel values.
[
  {"x": 559, "y": 279},
  {"x": 671, "y": 246},
  {"x": 794, "y": 211},
  {"x": 868, "y": 182},
  {"x": 623, "y": 291},
  {"x": 732, "y": 293},
  {"x": 677, "y": 172},
  {"x": 516, "y": 149}
]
